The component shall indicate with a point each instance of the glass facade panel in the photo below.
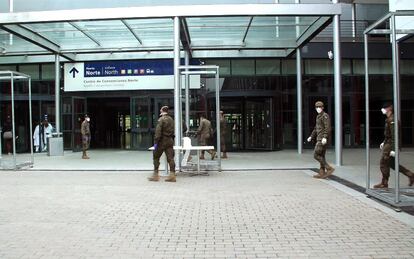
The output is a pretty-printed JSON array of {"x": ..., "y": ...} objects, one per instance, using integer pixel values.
[
  {"x": 376, "y": 66},
  {"x": 224, "y": 65},
  {"x": 8, "y": 67},
  {"x": 31, "y": 70},
  {"x": 325, "y": 67},
  {"x": 268, "y": 66},
  {"x": 48, "y": 71},
  {"x": 243, "y": 67},
  {"x": 407, "y": 67},
  {"x": 288, "y": 66},
  {"x": 318, "y": 67}
]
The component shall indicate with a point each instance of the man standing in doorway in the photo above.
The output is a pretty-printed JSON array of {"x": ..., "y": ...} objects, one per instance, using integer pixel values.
[
  {"x": 205, "y": 132},
  {"x": 223, "y": 129},
  {"x": 86, "y": 136},
  {"x": 387, "y": 146},
  {"x": 321, "y": 133},
  {"x": 164, "y": 142}
]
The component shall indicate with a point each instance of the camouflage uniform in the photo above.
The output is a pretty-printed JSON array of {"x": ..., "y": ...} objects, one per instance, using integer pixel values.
[
  {"x": 86, "y": 137},
  {"x": 204, "y": 133},
  {"x": 387, "y": 161},
  {"x": 164, "y": 138},
  {"x": 321, "y": 130}
]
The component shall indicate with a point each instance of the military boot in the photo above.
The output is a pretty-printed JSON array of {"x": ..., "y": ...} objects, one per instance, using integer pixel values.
[
  {"x": 329, "y": 170},
  {"x": 213, "y": 155},
  {"x": 382, "y": 184},
  {"x": 171, "y": 177},
  {"x": 320, "y": 174},
  {"x": 202, "y": 156},
  {"x": 411, "y": 179},
  {"x": 155, "y": 177},
  {"x": 224, "y": 155},
  {"x": 84, "y": 156}
]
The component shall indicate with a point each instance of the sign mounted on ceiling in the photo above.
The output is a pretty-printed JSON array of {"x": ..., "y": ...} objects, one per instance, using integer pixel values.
[
  {"x": 122, "y": 75},
  {"x": 402, "y": 22}
]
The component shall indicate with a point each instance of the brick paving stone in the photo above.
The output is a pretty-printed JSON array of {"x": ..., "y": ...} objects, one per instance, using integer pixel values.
[{"x": 272, "y": 214}]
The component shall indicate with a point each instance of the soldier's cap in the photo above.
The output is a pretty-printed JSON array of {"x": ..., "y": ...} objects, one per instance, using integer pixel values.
[
  {"x": 45, "y": 117},
  {"x": 319, "y": 104},
  {"x": 387, "y": 105},
  {"x": 86, "y": 115},
  {"x": 164, "y": 108}
]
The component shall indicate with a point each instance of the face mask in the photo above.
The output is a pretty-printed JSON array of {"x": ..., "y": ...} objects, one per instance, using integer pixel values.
[
  {"x": 384, "y": 111},
  {"x": 319, "y": 110},
  {"x": 88, "y": 119}
]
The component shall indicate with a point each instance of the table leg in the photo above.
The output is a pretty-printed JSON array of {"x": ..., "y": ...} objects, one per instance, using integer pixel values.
[{"x": 198, "y": 161}]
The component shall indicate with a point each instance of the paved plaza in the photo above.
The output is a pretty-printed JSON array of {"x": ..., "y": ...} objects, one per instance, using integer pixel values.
[{"x": 248, "y": 214}]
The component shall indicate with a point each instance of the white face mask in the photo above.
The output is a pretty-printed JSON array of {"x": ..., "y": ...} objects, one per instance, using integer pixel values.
[
  {"x": 384, "y": 111},
  {"x": 88, "y": 119},
  {"x": 319, "y": 110}
]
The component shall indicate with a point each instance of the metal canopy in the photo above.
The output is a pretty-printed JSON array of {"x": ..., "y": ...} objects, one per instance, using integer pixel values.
[
  {"x": 208, "y": 31},
  {"x": 396, "y": 196}
]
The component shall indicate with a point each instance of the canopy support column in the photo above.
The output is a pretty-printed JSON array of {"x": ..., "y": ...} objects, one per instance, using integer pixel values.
[
  {"x": 187, "y": 91},
  {"x": 177, "y": 90},
  {"x": 299, "y": 99},
  {"x": 337, "y": 87},
  {"x": 57, "y": 92}
]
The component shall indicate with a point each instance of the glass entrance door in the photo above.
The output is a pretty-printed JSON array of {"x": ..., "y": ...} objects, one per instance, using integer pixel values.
[
  {"x": 259, "y": 124},
  {"x": 79, "y": 110},
  {"x": 141, "y": 123}
]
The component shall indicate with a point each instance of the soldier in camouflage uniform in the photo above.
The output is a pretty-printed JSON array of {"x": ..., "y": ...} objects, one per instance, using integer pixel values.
[
  {"x": 321, "y": 133},
  {"x": 387, "y": 146},
  {"x": 86, "y": 136},
  {"x": 164, "y": 142},
  {"x": 205, "y": 132}
]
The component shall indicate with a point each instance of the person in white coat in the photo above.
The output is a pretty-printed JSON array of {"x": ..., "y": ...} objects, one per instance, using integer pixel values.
[{"x": 41, "y": 134}]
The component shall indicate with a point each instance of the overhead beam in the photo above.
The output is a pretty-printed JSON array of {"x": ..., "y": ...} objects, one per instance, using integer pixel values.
[
  {"x": 314, "y": 29},
  {"x": 83, "y": 57},
  {"x": 87, "y": 34},
  {"x": 386, "y": 31},
  {"x": 131, "y": 31},
  {"x": 240, "y": 53},
  {"x": 36, "y": 39},
  {"x": 247, "y": 29},
  {"x": 185, "y": 35},
  {"x": 172, "y": 11}
]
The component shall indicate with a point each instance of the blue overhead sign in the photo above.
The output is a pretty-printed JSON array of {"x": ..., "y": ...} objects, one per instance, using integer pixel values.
[
  {"x": 122, "y": 75},
  {"x": 128, "y": 68}
]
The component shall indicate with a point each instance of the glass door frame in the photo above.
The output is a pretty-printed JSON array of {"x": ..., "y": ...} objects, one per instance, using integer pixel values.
[
  {"x": 134, "y": 130},
  {"x": 266, "y": 100},
  {"x": 77, "y": 120}
]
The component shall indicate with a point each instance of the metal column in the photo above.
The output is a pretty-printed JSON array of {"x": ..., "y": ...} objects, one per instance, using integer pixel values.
[
  {"x": 396, "y": 91},
  {"x": 299, "y": 99},
  {"x": 187, "y": 90},
  {"x": 13, "y": 120},
  {"x": 177, "y": 90},
  {"x": 353, "y": 15},
  {"x": 57, "y": 92},
  {"x": 367, "y": 137},
  {"x": 11, "y": 9},
  {"x": 338, "y": 87},
  {"x": 217, "y": 79},
  {"x": 299, "y": 88},
  {"x": 31, "y": 122}
]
